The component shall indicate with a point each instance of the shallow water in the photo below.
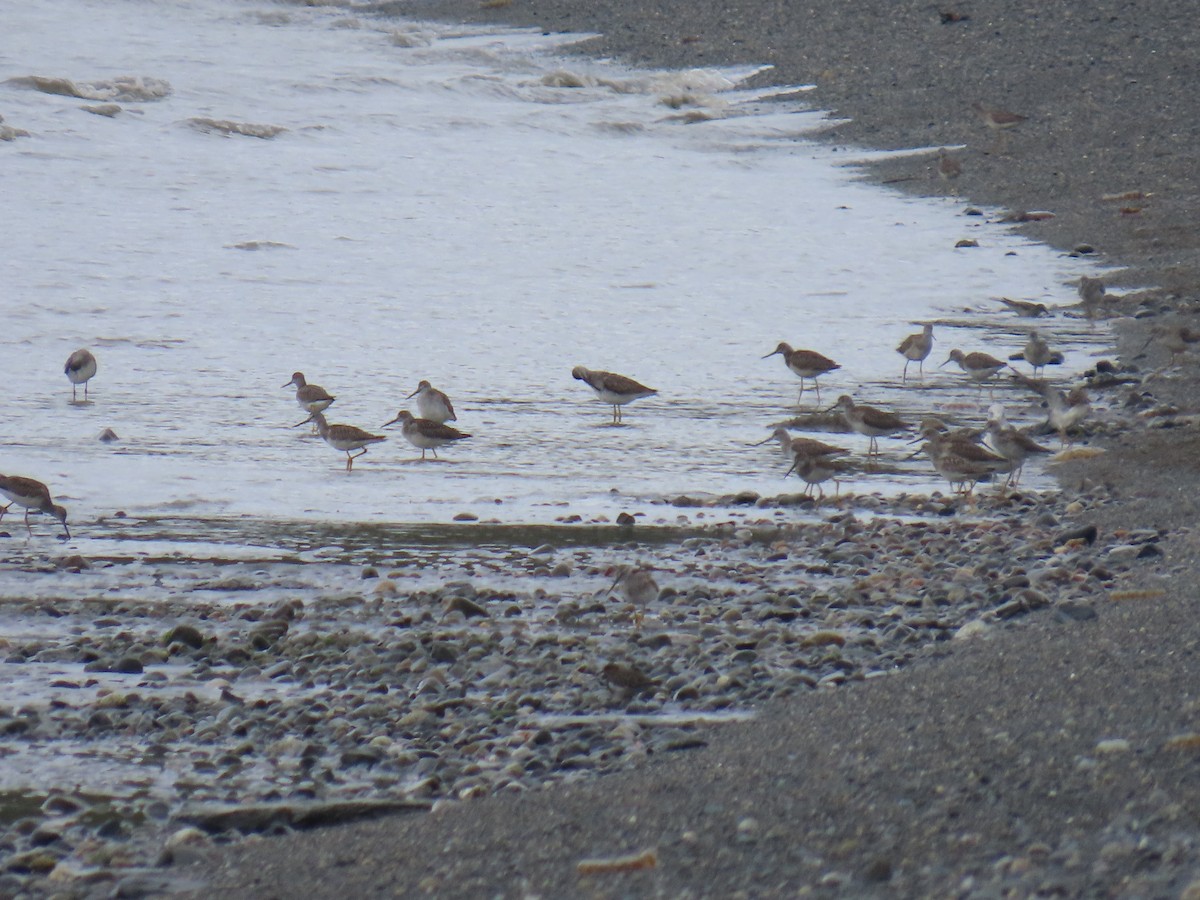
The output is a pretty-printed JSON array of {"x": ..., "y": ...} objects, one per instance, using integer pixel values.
[
  {"x": 436, "y": 210},
  {"x": 437, "y": 207}
]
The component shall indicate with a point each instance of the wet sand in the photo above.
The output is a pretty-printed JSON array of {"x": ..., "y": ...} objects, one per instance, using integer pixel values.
[{"x": 1054, "y": 755}]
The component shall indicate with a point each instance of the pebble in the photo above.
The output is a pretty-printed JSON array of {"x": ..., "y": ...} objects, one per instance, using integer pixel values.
[{"x": 482, "y": 670}]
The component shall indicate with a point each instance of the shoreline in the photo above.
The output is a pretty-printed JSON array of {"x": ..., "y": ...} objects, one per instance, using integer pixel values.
[
  {"x": 1052, "y": 757},
  {"x": 997, "y": 763}
]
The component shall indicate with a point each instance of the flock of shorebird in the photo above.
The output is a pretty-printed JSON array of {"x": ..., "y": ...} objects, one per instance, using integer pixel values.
[{"x": 962, "y": 457}]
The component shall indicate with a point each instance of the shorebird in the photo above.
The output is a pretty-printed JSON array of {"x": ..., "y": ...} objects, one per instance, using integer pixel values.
[
  {"x": 34, "y": 496},
  {"x": 997, "y": 120},
  {"x": 1092, "y": 293},
  {"x": 815, "y": 470},
  {"x": 615, "y": 390},
  {"x": 915, "y": 348},
  {"x": 1037, "y": 352},
  {"x": 978, "y": 367},
  {"x": 806, "y": 445},
  {"x": 1174, "y": 338},
  {"x": 805, "y": 364},
  {"x": 949, "y": 168},
  {"x": 1026, "y": 308},
  {"x": 424, "y": 434},
  {"x": 343, "y": 437},
  {"x": 432, "y": 404},
  {"x": 629, "y": 679},
  {"x": 1067, "y": 409},
  {"x": 80, "y": 369},
  {"x": 1011, "y": 443},
  {"x": 638, "y": 587},
  {"x": 961, "y": 462},
  {"x": 311, "y": 398},
  {"x": 868, "y": 421}
]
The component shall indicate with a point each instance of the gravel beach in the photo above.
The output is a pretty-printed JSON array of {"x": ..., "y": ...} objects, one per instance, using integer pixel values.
[{"x": 989, "y": 700}]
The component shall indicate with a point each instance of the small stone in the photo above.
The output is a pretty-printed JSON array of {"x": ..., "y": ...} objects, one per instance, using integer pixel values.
[
  {"x": 187, "y": 635},
  {"x": 879, "y": 870},
  {"x": 1086, "y": 533},
  {"x": 1113, "y": 745},
  {"x": 625, "y": 519},
  {"x": 468, "y": 608},
  {"x": 108, "y": 436},
  {"x": 466, "y": 517},
  {"x": 1075, "y": 610},
  {"x": 973, "y": 629}
]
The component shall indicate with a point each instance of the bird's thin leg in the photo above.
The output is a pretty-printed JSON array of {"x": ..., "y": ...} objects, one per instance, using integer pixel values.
[{"x": 28, "y": 527}]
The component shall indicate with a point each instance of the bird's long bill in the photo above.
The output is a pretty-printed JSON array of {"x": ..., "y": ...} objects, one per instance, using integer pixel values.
[
  {"x": 769, "y": 355},
  {"x": 305, "y": 422},
  {"x": 67, "y": 530},
  {"x": 288, "y": 384},
  {"x": 1142, "y": 348},
  {"x": 620, "y": 575},
  {"x": 915, "y": 453},
  {"x": 763, "y": 441},
  {"x": 832, "y": 408},
  {"x": 948, "y": 359},
  {"x": 795, "y": 463},
  {"x": 393, "y": 421},
  {"x": 410, "y": 396}
]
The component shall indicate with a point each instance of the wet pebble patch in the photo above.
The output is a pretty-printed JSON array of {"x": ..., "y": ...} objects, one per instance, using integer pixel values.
[{"x": 234, "y": 696}]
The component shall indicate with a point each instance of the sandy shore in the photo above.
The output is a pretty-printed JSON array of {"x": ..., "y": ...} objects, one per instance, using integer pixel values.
[{"x": 1055, "y": 757}]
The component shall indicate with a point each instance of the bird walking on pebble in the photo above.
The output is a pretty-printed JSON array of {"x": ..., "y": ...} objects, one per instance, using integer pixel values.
[
  {"x": 638, "y": 586},
  {"x": 815, "y": 470},
  {"x": 34, "y": 496},
  {"x": 1092, "y": 294},
  {"x": 1027, "y": 309},
  {"x": 805, "y": 364},
  {"x": 424, "y": 434},
  {"x": 868, "y": 421},
  {"x": 999, "y": 121},
  {"x": 1011, "y": 443},
  {"x": 806, "y": 445},
  {"x": 432, "y": 404},
  {"x": 949, "y": 167},
  {"x": 1067, "y": 409},
  {"x": 1176, "y": 339},
  {"x": 611, "y": 388},
  {"x": 915, "y": 348},
  {"x": 978, "y": 367},
  {"x": 1037, "y": 352},
  {"x": 629, "y": 679},
  {"x": 344, "y": 437},
  {"x": 80, "y": 369},
  {"x": 960, "y": 461}
]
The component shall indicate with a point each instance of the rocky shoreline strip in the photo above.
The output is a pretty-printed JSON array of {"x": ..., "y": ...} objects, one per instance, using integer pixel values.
[{"x": 258, "y": 718}]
